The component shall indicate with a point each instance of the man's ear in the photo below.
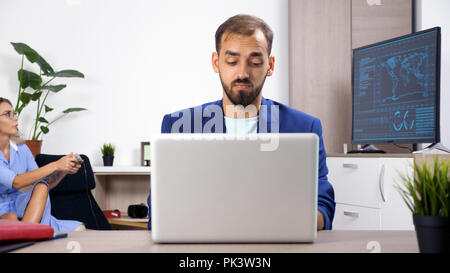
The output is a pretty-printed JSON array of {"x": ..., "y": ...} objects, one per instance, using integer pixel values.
[
  {"x": 271, "y": 66},
  {"x": 215, "y": 62}
]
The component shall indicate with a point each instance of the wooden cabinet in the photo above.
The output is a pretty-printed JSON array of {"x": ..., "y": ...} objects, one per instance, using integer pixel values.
[
  {"x": 365, "y": 195},
  {"x": 320, "y": 68},
  {"x": 322, "y": 36},
  {"x": 377, "y": 20}
]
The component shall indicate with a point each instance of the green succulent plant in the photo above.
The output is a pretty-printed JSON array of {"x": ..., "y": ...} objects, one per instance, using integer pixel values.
[
  {"x": 108, "y": 149},
  {"x": 427, "y": 193}
]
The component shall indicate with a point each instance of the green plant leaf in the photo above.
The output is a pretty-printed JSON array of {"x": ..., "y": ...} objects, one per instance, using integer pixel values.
[
  {"x": 25, "y": 98},
  {"x": 45, "y": 129},
  {"x": 108, "y": 149},
  {"x": 428, "y": 193},
  {"x": 68, "y": 74},
  {"x": 69, "y": 110},
  {"x": 48, "y": 109},
  {"x": 36, "y": 96},
  {"x": 19, "y": 110},
  {"x": 24, "y": 49},
  {"x": 404, "y": 194},
  {"x": 29, "y": 79},
  {"x": 54, "y": 88},
  {"x": 33, "y": 57},
  {"x": 45, "y": 67},
  {"x": 416, "y": 199},
  {"x": 43, "y": 120}
]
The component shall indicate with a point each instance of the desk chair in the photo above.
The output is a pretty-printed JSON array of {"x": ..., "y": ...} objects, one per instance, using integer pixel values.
[{"x": 72, "y": 198}]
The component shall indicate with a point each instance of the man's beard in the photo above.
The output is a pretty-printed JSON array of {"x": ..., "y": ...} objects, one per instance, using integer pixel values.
[{"x": 242, "y": 97}]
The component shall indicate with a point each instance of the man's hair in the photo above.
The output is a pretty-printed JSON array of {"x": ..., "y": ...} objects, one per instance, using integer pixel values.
[
  {"x": 245, "y": 25},
  {"x": 5, "y": 100}
]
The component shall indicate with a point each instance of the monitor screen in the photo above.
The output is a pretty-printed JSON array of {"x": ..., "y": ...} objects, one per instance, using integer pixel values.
[{"x": 396, "y": 90}]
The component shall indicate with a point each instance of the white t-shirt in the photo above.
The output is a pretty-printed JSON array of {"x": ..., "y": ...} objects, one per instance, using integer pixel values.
[{"x": 241, "y": 125}]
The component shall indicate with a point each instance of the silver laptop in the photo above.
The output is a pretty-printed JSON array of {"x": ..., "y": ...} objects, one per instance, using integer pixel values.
[{"x": 212, "y": 188}]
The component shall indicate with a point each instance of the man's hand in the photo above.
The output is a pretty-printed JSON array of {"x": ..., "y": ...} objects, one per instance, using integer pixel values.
[{"x": 320, "y": 220}]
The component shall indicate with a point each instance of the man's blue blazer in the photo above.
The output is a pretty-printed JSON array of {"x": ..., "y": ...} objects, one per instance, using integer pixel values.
[{"x": 290, "y": 121}]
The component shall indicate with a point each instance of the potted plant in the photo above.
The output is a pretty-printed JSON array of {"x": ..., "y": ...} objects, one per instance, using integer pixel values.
[
  {"x": 108, "y": 154},
  {"x": 427, "y": 195},
  {"x": 41, "y": 87}
]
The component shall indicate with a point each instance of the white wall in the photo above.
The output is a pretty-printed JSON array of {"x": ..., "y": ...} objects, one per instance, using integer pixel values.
[
  {"x": 432, "y": 13},
  {"x": 141, "y": 58}
]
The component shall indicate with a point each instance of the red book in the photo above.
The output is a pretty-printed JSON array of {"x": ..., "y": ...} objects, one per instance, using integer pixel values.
[
  {"x": 14, "y": 231},
  {"x": 111, "y": 213}
]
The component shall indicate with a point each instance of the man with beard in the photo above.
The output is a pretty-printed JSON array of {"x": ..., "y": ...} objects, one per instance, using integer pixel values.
[{"x": 243, "y": 61}]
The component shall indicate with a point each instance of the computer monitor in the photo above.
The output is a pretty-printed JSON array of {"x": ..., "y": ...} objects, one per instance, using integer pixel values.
[{"x": 395, "y": 87}]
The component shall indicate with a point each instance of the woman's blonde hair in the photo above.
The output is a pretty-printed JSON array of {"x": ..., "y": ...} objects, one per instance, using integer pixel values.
[
  {"x": 5, "y": 100},
  {"x": 17, "y": 139}
]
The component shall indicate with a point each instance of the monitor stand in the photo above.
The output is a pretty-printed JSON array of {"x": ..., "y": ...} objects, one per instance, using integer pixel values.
[
  {"x": 367, "y": 149},
  {"x": 435, "y": 148}
]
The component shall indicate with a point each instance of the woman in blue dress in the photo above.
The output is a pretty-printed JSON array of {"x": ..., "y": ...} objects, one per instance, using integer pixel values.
[{"x": 23, "y": 186}]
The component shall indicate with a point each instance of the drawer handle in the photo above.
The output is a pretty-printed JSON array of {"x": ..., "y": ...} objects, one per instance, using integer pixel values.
[
  {"x": 381, "y": 184},
  {"x": 351, "y": 214},
  {"x": 350, "y": 166}
]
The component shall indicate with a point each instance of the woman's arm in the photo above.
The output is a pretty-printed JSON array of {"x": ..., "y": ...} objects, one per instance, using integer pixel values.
[
  {"x": 64, "y": 165},
  {"x": 54, "y": 179},
  {"x": 28, "y": 178}
]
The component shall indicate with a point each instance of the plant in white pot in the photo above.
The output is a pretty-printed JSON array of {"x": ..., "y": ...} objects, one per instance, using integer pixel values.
[
  {"x": 108, "y": 151},
  {"x": 427, "y": 195}
]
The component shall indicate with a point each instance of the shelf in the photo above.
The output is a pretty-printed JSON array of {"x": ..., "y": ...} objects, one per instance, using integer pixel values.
[
  {"x": 117, "y": 187},
  {"x": 119, "y": 170},
  {"x": 126, "y": 221}
]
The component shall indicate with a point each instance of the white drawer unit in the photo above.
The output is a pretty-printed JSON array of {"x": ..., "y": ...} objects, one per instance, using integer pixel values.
[
  {"x": 361, "y": 179},
  {"x": 365, "y": 195},
  {"x": 356, "y": 218}
]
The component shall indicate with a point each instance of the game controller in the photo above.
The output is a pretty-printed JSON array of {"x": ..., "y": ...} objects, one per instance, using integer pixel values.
[{"x": 78, "y": 158}]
